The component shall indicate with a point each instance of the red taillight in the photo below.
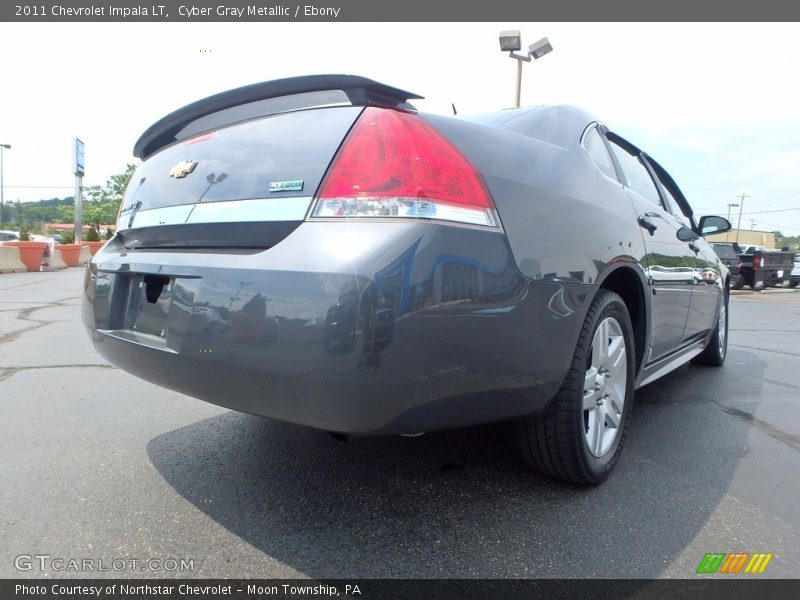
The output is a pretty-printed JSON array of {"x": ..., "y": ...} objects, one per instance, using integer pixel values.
[
  {"x": 394, "y": 164},
  {"x": 756, "y": 262}
]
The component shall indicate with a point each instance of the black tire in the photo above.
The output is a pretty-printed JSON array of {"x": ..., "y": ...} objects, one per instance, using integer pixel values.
[
  {"x": 717, "y": 348},
  {"x": 738, "y": 282},
  {"x": 554, "y": 442},
  {"x": 793, "y": 284}
]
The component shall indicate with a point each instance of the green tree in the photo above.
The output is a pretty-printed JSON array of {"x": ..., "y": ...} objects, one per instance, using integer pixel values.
[
  {"x": 792, "y": 242},
  {"x": 66, "y": 213},
  {"x": 114, "y": 189},
  {"x": 42, "y": 211},
  {"x": 102, "y": 202},
  {"x": 98, "y": 213}
]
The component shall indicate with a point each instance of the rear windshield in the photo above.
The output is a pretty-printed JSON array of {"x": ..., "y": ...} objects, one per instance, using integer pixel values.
[{"x": 283, "y": 155}]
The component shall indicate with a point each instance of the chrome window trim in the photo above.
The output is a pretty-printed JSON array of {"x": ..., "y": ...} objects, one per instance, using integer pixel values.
[
  {"x": 594, "y": 126},
  {"x": 229, "y": 211}
]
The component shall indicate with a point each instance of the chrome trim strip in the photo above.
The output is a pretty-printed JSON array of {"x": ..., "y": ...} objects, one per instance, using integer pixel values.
[
  {"x": 231, "y": 211},
  {"x": 664, "y": 365},
  {"x": 168, "y": 215},
  {"x": 142, "y": 339}
]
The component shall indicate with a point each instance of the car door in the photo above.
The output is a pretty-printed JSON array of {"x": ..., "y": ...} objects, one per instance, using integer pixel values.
[
  {"x": 668, "y": 263},
  {"x": 706, "y": 292},
  {"x": 707, "y": 282}
]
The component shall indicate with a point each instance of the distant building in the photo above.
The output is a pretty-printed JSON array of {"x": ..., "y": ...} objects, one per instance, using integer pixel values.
[
  {"x": 50, "y": 228},
  {"x": 746, "y": 237}
]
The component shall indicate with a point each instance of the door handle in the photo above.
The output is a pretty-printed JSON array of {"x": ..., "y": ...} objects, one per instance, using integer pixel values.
[{"x": 647, "y": 224}]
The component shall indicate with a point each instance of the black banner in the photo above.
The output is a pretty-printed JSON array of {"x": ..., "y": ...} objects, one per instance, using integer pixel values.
[
  {"x": 402, "y": 589},
  {"x": 407, "y": 10}
]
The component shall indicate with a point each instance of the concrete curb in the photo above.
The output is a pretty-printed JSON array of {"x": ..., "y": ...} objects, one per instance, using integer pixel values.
[
  {"x": 9, "y": 260},
  {"x": 54, "y": 262},
  {"x": 85, "y": 256}
]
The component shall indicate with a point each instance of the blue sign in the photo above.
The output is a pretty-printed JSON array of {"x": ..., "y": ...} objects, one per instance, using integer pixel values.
[{"x": 80, "y": 165}]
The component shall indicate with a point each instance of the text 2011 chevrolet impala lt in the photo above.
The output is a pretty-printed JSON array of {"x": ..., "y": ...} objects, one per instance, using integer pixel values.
[{"x": 315, "y": 250}]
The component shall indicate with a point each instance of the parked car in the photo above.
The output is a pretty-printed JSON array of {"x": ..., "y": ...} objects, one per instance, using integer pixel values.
[
  {"x": 729, "y": 255},
  {"x": 528, "y": 265},
  {"x": 794, "y": 277},
  {"x": 55, "y": 239},
  {"x": 8, "y": 235}
]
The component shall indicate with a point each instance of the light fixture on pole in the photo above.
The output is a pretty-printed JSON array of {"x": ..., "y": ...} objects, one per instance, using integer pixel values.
[
  {"x": 2, "y": 205},
  {"x": 511, "y": 42},
  {"x": 538, "y": 49}
]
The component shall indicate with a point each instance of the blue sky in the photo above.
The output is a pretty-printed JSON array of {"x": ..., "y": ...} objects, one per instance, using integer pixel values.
[{"x": 715, "y": 104}]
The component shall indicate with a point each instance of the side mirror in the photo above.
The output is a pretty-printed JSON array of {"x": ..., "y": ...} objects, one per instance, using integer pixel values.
[
  {"x": 713, "y": 224},
  {"x": 687, "y": 235}
]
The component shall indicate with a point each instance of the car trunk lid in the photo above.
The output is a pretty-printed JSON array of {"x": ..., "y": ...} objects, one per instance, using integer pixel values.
[{"x": 245, "y": 185}]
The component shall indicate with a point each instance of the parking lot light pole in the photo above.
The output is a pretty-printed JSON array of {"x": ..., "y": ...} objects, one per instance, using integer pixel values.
[
  {"x": 2, "y": 204},
  {"x": 511, "y": 42}
]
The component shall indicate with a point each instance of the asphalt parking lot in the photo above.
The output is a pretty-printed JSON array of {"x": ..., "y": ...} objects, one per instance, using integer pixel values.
[{"x": 96, "y": 464}]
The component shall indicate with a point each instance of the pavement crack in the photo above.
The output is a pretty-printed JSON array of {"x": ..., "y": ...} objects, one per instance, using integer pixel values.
[
  {"x": 764, "y": 349},
  {"x": 792, "y": 331},
  {"x": 21, "y": 285},
  {"x": 790, "y": 440},
  {"x": 25, "y": 315},
  {"x": 6, "y": 372},
  {"x": 782, "y": 384},
  {"x": 13, "y": 335}
]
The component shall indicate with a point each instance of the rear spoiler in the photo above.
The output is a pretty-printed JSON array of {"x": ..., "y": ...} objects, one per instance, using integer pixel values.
[{"x": 360, "y": 91}]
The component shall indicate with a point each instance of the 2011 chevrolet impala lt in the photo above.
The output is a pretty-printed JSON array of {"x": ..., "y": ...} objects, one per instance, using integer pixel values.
[{"x": 317, "y": 251}]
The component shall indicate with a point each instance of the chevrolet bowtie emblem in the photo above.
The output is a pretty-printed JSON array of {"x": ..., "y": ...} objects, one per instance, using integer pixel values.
[{"x": 182, "y": 169}]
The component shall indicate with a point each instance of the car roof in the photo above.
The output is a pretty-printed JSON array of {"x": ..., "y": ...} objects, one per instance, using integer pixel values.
[{"x": 561, "y": 124}]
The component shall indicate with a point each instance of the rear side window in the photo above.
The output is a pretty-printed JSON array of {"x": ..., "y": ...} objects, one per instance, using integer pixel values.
[
  {"x": 597, "y": 151},
  {"x": 638, "y": 177}
]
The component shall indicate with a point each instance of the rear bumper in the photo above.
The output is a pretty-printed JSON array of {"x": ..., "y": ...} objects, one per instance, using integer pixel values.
[{"x": 381, "y": 328}]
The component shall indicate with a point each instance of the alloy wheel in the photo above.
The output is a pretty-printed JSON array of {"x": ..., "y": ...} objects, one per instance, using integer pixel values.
[{"x": 604, "y": 387}]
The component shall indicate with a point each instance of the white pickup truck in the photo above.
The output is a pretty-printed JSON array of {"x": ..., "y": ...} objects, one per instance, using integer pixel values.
[{"x": 795, "y": 277}]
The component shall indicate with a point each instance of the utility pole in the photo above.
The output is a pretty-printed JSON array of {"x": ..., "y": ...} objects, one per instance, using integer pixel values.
[
  {"x": 741, "y": 206},
  {"x": 730, "y": 206}
]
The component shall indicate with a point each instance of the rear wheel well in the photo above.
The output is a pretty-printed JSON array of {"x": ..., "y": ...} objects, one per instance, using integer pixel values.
[{"x": 626, "y": 283}]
